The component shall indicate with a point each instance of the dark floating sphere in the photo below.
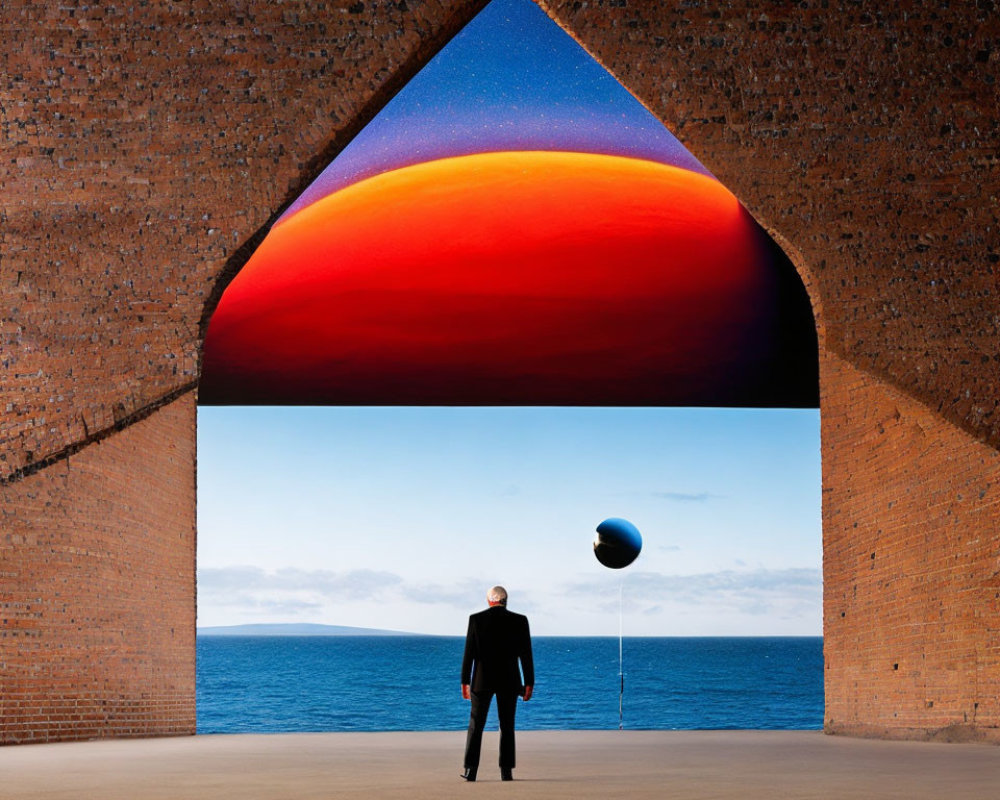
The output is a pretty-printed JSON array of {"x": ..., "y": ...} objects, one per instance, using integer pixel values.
[{"x": 617, "y": 543}]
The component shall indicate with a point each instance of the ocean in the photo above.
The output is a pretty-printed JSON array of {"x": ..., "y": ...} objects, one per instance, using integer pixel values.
[{"x": 265, "y": 684}]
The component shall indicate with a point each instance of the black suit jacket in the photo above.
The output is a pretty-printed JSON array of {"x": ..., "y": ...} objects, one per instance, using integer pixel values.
[{"x": 496, "y": 641}]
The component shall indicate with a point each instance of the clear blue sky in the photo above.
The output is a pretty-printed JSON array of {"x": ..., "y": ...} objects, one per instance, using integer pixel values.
[{"x": 401, "y": 518}]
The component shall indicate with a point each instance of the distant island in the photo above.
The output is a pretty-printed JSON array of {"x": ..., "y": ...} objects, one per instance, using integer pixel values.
[{"x": 296, "y": 629}]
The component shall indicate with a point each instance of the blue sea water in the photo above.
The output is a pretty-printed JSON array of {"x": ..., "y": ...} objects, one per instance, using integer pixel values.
[{"x": 381, "y": 683}]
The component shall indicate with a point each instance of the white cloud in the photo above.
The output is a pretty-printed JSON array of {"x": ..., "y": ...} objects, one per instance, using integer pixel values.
[
  {"x": 729, "y": 602},
  {"x": 360, "y": 584},
  {"x": 295, "y": 592},
  {"x": 687, "y": 497},
  {"x": 754, "y": 592}
]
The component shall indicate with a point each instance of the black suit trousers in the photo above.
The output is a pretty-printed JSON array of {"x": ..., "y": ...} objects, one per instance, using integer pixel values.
[{"x": 506, "y": 707}]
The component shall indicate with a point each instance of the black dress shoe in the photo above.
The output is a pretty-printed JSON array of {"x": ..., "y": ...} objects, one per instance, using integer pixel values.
[
  {"x": 506, "y": 774},
  {"x": 469, "y": 774}
]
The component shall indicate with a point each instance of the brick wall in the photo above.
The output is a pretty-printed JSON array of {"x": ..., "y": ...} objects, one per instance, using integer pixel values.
[
  {"x": 145, "y": 150},
  {"x": 911, "y": 567},
  {"x": 97, "y": 588}
]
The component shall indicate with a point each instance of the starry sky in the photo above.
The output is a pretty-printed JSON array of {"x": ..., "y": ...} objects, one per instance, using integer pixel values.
[{"x": 510, "y": 80}]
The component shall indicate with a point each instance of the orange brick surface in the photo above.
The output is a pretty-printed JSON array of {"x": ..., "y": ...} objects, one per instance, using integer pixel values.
[
  {"x": 97, "y": 588},
  {"x": 911, "y": 567}
]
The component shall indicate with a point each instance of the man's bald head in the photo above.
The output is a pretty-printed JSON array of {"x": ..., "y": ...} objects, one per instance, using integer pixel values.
[{"x": 497, "y": 596}]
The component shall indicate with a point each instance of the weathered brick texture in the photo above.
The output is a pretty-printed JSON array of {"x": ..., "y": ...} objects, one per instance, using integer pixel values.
[
  {"x": 145, "y": 147},
  {"x": 97, "y": 588},
  {"x": 911, "y": 566}
]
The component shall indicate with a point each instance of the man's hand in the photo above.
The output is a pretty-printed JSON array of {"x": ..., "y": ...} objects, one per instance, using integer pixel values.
[
  {"x": 465, "y": 692},
  {"x": 527, "y": 693}
]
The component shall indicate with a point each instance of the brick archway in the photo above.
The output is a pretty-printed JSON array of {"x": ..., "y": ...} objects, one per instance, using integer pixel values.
[{"x": 146, "y": 154}]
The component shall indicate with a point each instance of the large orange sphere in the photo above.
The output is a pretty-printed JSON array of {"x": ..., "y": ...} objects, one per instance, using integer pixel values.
[{"x": 514, "y": 277}]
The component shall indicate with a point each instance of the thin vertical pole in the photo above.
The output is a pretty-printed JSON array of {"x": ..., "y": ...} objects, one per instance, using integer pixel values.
[{"x": 621, "y": 670}]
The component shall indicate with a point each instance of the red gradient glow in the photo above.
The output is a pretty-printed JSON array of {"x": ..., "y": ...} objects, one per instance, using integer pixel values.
[{"x": 502, "y": 278}]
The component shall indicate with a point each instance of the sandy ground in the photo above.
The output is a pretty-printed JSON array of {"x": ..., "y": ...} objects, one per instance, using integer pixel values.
[{"x": 551, "y": 764}]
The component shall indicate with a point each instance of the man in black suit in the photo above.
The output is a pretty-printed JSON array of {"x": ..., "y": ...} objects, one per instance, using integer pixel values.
[{"x": 496, "y": 641}]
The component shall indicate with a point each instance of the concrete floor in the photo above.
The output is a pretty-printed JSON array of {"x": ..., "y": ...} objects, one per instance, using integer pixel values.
[{"x": 551, "y": 764}]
